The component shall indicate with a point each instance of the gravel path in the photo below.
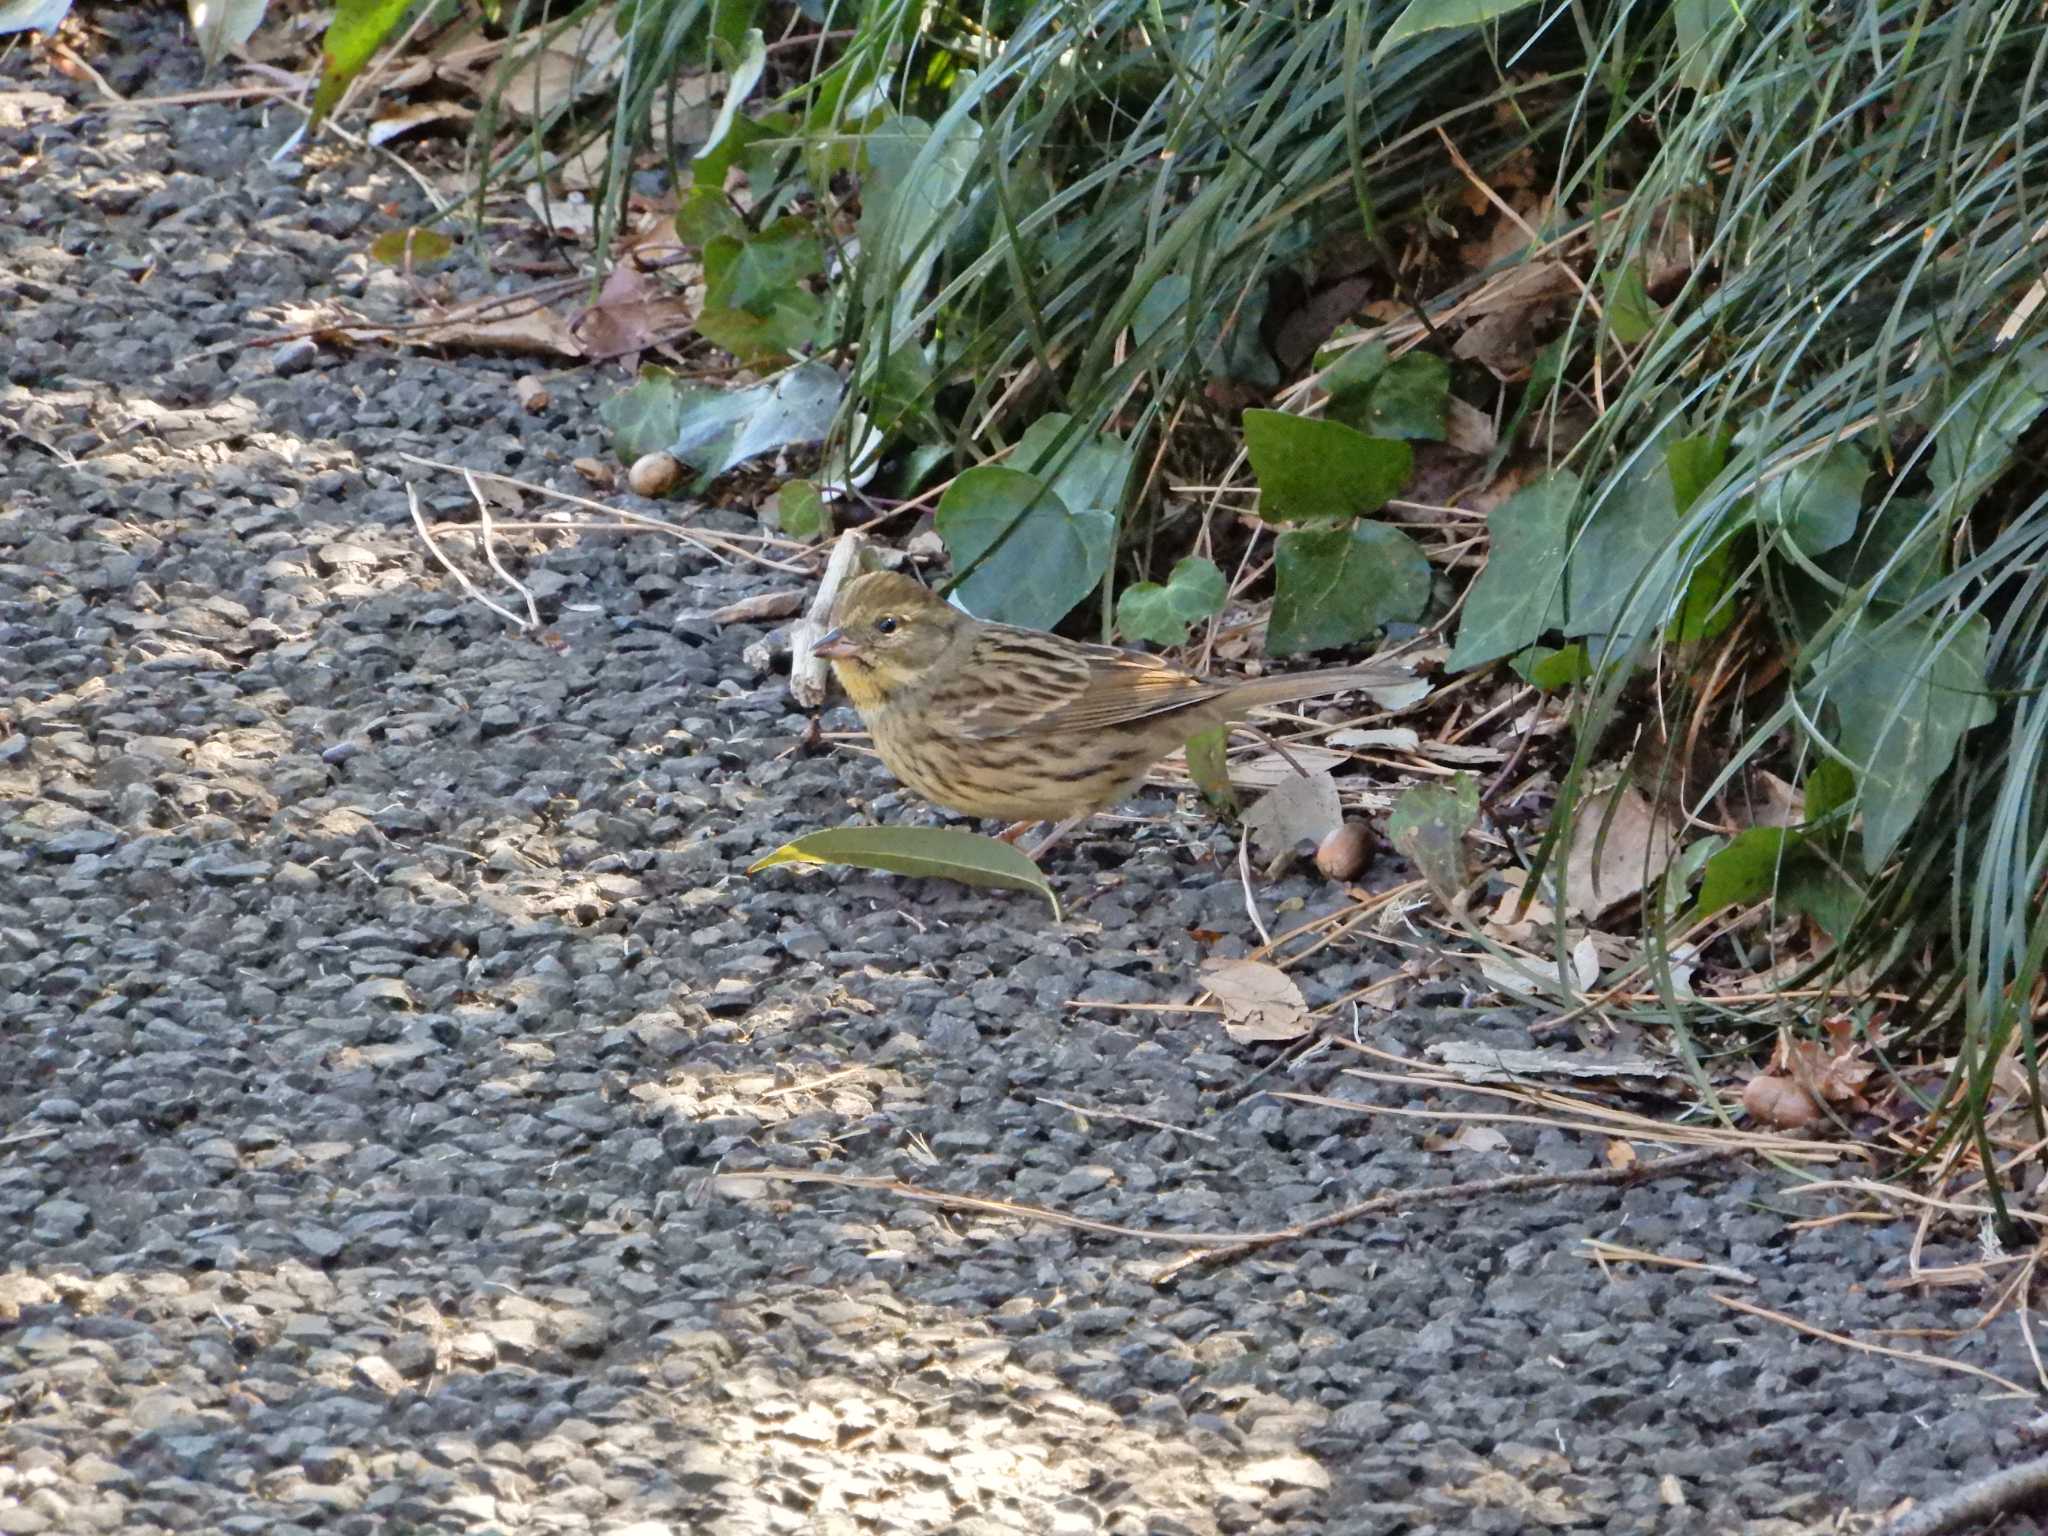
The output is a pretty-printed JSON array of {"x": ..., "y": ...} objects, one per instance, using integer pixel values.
[{"x": 379, "y": 986}]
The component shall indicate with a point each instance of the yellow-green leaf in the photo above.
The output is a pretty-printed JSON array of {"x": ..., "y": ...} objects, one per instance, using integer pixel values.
[{"x": 946, "y": 852}]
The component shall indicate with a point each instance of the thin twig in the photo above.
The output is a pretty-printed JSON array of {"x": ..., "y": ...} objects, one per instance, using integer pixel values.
[
  {"x": 1244, "y": 875},
  {"x": 1097, "y": 1112},
  {"x": 1397, "y": 1200},
  {"x": 1975, "y": 1503},
  {"x": 490, "y": 544},
  {"x": 1914, "y": 1356},
  {"x": 1447, "y": 1194},
  {"x": 412, "y": 496}
]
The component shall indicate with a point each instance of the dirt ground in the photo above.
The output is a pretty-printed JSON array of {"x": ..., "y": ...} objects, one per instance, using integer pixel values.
[{"x": 379, "y": 988}]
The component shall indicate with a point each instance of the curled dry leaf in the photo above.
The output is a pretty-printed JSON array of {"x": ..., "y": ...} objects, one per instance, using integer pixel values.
[
  {"x": 761, "y": 608},
  {"x": 1301, "y": 808},
  {"x": 596, "y": 471},
  {"x": 1620, "y": 842},
  {"x": 1259, "y": 1001},
  {"x": 532, "y": 394}
]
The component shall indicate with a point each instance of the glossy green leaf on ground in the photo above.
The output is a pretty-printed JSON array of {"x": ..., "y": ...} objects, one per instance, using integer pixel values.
[
  {"x": 1428, "y": 825},
  {"x": 1334, "y": 586},
  {"x": 1631, "y": 313},
  {"x": 1974, "y": 445},
  {"x": 1404, "y": 397},
  {"x": 1899, "y": 551},
  {"x": 1321, "y": 469},
  {"x": 1209, "y": 767},
  {"x": 642, "y": 418},
  {"x": 1163, "y": 615},
  {"x": 1553, "y": 668},
  {"x": 714, "y": 429},
  {"x": 1817, "y": 503},
  {"x": 1899, "y": 704},
  {"x": 1026, "y": 558},
  {"x": 802, "y": 511},
  {"x": 1745, "y": 869},
  {"x": 1520, "y": 595},
  {"x": 946, "y": 852},
  {"x": 1622, "y": 538},
  {"x": 1086, "y": 470},
  {"x": 359, "y": 27}
]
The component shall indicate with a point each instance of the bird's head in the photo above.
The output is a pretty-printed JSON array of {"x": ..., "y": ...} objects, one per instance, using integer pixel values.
[{"x": 888, "y": 633}]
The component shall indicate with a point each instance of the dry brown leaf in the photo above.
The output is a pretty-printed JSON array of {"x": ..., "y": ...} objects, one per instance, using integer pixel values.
[
  {"x": 1259, "y": 1001},
  {"x": 1300, "y": 808},
  {"x": 1269, "y": 769},
  {"x": 1621, "y": 1155},
  {"x": 633, "y": 312},
  {"x": 390, "y": 122},
  {"x": 761, "y": 608},
  {"x": 1467, "y": 1138},
  {"x": 574, "y": 62},
  {"x": 539, "y": 332},
  {"x": 1619, "y": 844}
]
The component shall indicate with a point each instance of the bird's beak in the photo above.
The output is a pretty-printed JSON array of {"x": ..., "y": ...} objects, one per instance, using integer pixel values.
[{"x": 834, "y": 646}]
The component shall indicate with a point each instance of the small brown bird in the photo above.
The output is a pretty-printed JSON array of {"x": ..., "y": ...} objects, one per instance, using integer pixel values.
[{"x": 1019, "y": 724}]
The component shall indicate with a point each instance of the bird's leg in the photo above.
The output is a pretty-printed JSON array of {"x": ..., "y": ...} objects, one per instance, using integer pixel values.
[{"x": 1046, "y": 843}]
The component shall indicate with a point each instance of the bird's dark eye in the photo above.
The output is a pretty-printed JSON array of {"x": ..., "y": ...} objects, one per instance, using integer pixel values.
[{"x": 885, "y": 625}]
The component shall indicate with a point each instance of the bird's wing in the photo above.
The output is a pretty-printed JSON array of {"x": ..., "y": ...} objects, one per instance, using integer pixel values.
[{"x": 1020, "y": 682}]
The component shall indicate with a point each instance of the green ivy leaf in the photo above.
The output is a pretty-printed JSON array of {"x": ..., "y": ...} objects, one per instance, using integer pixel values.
[
  {"x": 1520, "y": 594},
  {"x": 756, "y": 272},
  {"x": 1618, "y": 544},
  {"x": 801, "y": 509},
  {"x": 1632, "y": 315},
  {"x": 1086, "y": 470},
  {"x": 1428, "y": 825},
  {"x": 1337, "y": 585},
  {"x": 1901, "y": 703},
  {"x": 1973, "y": 447},
  {"x": 1321, "y": 469},
  {"x": 359, "y": 27},
  {"x": 642, "y": 418},
  {"x": 1025, "y": 558},
  {"x": 1692, "y": 463},
  {"x": 1163, "y": 615},
  {"x": 1405, "y": 398},
  {"x": 705, "y": 214},
  {"x": 1828, "y": 788},
  {"x": 1817, "y": 503},
  {"x": 1744, "y": 870},
  {"x": 1210, "y": 769},
  {"x": 1900, "y": 554},
  {"x": 1553, "y": 669}
]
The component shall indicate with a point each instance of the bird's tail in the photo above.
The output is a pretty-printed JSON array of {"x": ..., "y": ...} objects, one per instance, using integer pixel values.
[{"x": 1292, "y": 687}]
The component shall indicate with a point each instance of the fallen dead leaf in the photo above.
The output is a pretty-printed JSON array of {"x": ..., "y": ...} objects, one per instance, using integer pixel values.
[
  {"x": 539, "y": 332},
  {"x": 1300, "y": 808},
  {"x": 762, "y": 607},
  {"x": 1619, "y": 844},
  {"x": 1259, "y": 1001}
]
